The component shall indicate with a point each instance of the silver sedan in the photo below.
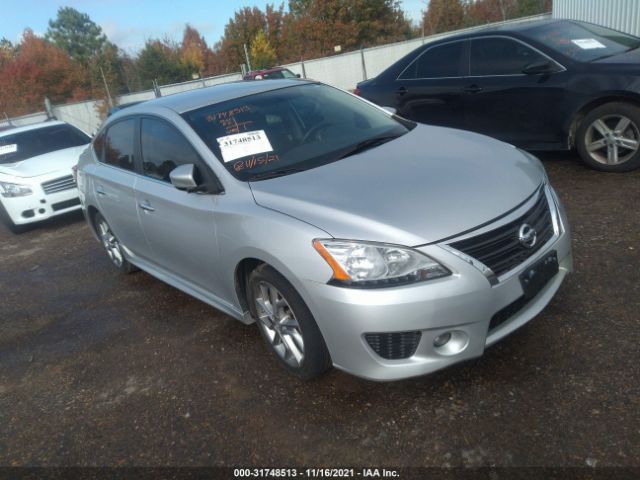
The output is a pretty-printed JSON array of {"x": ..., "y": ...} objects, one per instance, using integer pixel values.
[{"x": 351, "y": 236}]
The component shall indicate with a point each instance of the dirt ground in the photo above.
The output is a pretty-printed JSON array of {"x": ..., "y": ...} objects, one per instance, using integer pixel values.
[{"x": 97, "y": 368}]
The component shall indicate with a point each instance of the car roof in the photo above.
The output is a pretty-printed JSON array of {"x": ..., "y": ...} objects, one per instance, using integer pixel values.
[
  {"x": 266, "y": 70},
  {"x": 33, "y": 126},
  {"x": 201, "y": 97},
  {"x": 510, "y": 28}
]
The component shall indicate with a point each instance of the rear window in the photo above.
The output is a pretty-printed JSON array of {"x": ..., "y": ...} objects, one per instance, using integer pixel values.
[
  {"x": 24, "y": 145},
  {"x": 584, "y": 42}
]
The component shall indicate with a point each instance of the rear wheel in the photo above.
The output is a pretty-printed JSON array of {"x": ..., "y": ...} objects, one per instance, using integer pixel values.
[
  {"x": 608, "y": 138},
  {"x": 112, "y": 245},
  {"x": 286, "y": 324}
]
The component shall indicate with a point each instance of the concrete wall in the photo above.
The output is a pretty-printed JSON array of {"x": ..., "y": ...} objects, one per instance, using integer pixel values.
[
  {"x": 623, "y": 15},
  {"x": 343, "y": 71}
]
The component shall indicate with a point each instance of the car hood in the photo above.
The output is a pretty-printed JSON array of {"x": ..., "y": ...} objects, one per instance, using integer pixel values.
[
  {"x": 427, "y": 185},
  {"x": 44, "y": 164}
]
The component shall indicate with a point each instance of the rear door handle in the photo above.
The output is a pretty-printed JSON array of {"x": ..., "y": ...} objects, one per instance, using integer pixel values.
[
  {"x": 146, "y": 206},
  {"x": 100, "y": 191},
  {"x": 401, "y": 91},
  {"x": 473, "y": 89}
]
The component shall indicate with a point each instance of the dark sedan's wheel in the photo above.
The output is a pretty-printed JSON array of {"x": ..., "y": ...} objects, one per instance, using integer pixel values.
[
  {"x": 286, "y": 324},
  {"x": 112, "y": 245},
  {"x": 608, "y": 138}
]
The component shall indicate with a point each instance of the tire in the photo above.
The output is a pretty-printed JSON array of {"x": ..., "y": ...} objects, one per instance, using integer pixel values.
[
  {"x": 291, "y": 333},
  {"x": 608, "y": 138},
  {"x": 112, "y": 245}
]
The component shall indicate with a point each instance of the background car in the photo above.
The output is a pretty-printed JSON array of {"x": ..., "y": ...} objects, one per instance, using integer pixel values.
[
  {"x": 546, "y": 85},
  {"x": 352, "y": 237},
  {"x": 270, "y": 74},
  {"x": 36, "y": 179}
]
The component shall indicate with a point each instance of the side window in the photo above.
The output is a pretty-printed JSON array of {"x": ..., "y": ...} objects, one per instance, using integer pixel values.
[
  {"x": 501, "y": 56},
  {"x": 119, "y": 144},
  {"x": 437, "y": 62},
  {"x": 163, "y": 149}
]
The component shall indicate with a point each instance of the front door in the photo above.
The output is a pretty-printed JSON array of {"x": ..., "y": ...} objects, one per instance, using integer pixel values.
[
  {"x": 505, "y": 103},
  {"x": 179, "y": 226}
]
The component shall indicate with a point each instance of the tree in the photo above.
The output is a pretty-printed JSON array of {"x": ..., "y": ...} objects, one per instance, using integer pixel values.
[
  {"x": 77, "y": 34},
  {"x": 262, "y": 53},
  {"x": 194, "y": 52},
  {"x": 38, "y": 70},
  {"x": 319, "y": 26},
  {"x": 238, "y": 31},
  {"x": 160, "y": 60},
  {"x": 443, "y": 16}
]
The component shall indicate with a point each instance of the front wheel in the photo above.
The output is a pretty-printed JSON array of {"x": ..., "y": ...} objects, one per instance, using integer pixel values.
[
  {"x": 608, "y": 138},
  {"x": 286, "y": 324},
  {"x": 112, "y": 245}
]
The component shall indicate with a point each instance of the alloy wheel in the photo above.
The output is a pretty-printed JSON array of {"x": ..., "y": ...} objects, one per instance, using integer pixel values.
[
  {"x": 279, "y": 323},
  {"x": 110, "y": 243},
  {"x": 612, "y": 139}
]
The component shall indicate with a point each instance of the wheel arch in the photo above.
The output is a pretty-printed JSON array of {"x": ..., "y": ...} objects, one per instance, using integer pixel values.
[{"x": 595, "y": 103}]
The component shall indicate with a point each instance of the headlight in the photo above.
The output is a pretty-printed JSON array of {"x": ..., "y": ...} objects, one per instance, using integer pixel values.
[
  {"x": 14, "y": 190},
  {"x": 363, "y": 264}
]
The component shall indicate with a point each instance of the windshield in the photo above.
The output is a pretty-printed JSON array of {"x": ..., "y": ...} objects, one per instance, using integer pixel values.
[
  {"x": 291, "y": 129},
  {"x": 23, "y": 145},
  {"x": 584, "y": 42}
]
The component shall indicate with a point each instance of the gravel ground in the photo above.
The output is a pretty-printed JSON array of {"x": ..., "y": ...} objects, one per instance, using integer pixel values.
[{"x": 97, "y": 368}]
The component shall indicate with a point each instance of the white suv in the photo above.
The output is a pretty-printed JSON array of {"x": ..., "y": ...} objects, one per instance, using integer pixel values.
[{"x": 36, "y": 176}]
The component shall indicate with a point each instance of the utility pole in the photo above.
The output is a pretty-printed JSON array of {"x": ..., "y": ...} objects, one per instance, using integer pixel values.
[
  {"x": 246, "y": 54},
  {"x": 106, "y": 87}
]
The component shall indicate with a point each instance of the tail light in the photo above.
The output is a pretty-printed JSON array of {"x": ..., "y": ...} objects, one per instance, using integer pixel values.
[{"x": 357, "y": 91}]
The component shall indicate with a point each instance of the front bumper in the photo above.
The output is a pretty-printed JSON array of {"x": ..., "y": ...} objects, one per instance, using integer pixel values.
[
  {"x": 40, "y": 206},
  {"x": 464, "y": 302}
]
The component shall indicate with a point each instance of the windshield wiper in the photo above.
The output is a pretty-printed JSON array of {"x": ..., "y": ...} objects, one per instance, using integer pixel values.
[
  {"x": 367, "y": 144},
  {"x": 274, "y": 173}
]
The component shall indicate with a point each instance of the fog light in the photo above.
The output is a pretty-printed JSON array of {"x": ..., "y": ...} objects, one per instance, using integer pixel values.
[
  {"x": 440, "y": 340},
  {"x": 451, "y": 343}
]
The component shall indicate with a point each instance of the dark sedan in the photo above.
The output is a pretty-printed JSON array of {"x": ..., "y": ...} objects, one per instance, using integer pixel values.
[{"x": 545, "y": 85}]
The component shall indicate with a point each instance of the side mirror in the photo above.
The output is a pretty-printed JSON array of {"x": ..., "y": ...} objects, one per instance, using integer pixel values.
[
  {"x": 298, "y": 75},
  {"x": 391, "y": 110},
  {"x": 536, "y": 68},
  {"x": 183, "y": 177}
]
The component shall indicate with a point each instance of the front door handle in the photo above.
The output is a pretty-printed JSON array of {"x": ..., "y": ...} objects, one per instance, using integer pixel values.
[
  {"x": 401, "y": 91},
  {"x": 146, "y": 206},
  {"x": 100, "y": 191},
  {"x": 473, "y": 89}
]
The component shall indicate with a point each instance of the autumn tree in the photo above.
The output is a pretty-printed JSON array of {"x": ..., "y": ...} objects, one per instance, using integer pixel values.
[
  {"x": 38, "y": 70},
  {"x": 443, "y": 16},
  {"x": 262, "y": 53},
  {"x": 239, "y": 30},
  {"x": 194, "y": 52}
]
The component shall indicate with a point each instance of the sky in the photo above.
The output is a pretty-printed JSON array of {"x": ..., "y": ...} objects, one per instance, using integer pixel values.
[{"x": 129, "y": 23}]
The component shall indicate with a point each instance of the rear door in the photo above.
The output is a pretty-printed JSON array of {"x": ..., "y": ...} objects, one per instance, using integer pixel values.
[
  {"x": 505, "y": 103},
  {"x": 179, "y": 226},
  {"x": 114, "y": 179},
  {"x": 430, "y": 89}
]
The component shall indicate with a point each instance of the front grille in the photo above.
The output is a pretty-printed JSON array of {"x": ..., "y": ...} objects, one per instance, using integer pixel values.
[
  {"x": 59, "y": 184},
  {"x": 500, "y": 249},
  {"x": 66, "y": 204},
  {"x": 395, "y": 345}
]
